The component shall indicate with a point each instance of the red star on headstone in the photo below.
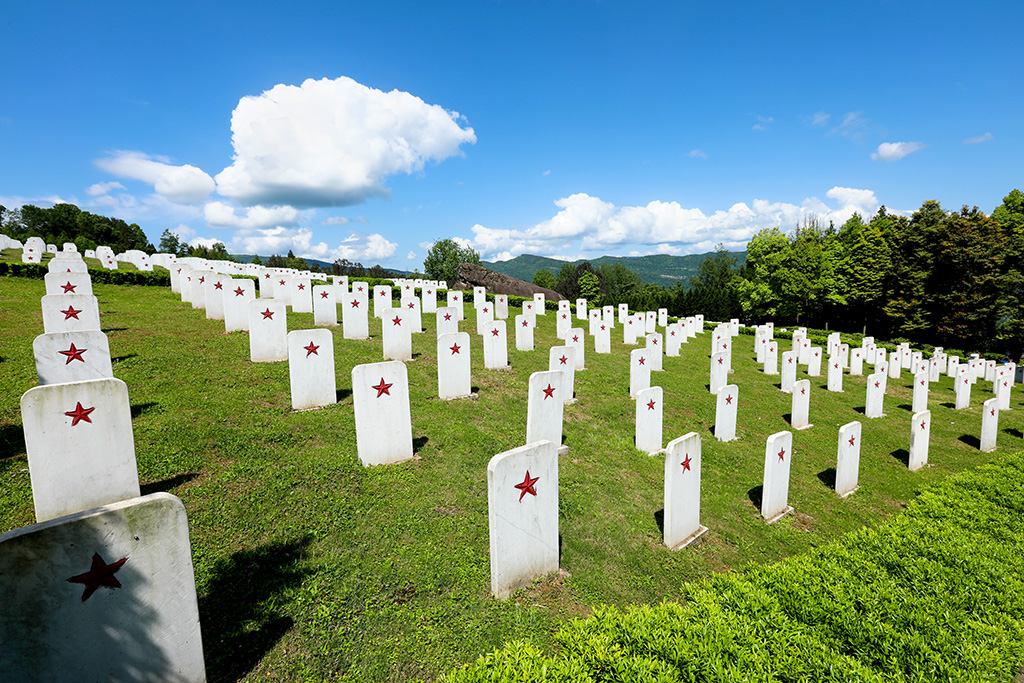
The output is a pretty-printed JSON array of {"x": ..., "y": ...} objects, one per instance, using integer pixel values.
[
  {"x": 74, "y": 353},
  {"x": 397, "y": 320},
  {"x": 486, "y": 310},
  {"x": 100, "y": 574},
  {"x": 527, "y": 486},
  {"x": 494, "y": 333},
  {"x": 686, "y": 463},
  {"x": 564, "y": 316},
  {"x": 602, "y": 328},
  {"x": 447, "y": 316},
  {"x": 355, "y": 303},
  {"x": 429, "y": 292},
  {"x": 923, "y": 424},
  {"x": 383, "y": 293},
  {"x": 529, "y": 307},
  {"x": 68, "y": 287},
  {"x": 411, "y": 305},
  {"x": 790, "y": 360},
  {"x": 728, "y": 400},
  {"x": 324, "y": 295},
  {"x": 576, "y": 338},
  {"x": 71, "y": 313},
  {"x": 360, "y": 288},
  {"x": 281, "y": 282},
  {"x": 549, "y": 392},
  {"x": 382, "y": 388},
  {"x": 836, "y": 366},
  {"x": 311, "y": 349},
  {"x": 922, "y": 383},
  {"x": 563, "y": 359},
  {"x": 992, "y": 412},
  {"x": 79, "y": 414},
  {"x": 526, "y": 323},
  {"x": 202, "y": 279},
  {"x": 782, "y": 454},
  {"x": 654, "y": 341},
  {"x": 239, "y": 292},
  {"x": 650, "y": 404},
  {"x": 268, "y": 314},
  {"x": 641, "y": 360},
  {"x": 803, "y": 390},
  {"x": 218, "y": 285},
  {"x": 967, "y": 381},
  {"x": 455, "y": 349},
  {"x": 265, "y": 275},
  {"x": 455, "y": 298},
  {"x": 851, "y": 441}
]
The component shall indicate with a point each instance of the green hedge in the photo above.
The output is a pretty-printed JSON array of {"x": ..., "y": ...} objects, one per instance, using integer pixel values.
[
  {"x": 934, "y": 594},
  {"x": 103, "y": 276}
]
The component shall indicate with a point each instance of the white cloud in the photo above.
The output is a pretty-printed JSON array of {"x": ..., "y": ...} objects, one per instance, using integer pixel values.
[
  {"x": 762, "y": 122},
  {"x": 853, "y": 126},
  {"x": 15, "y": 202},
  {"x": 697, "y": 154},
  {"x": 332, "y": 143},
  {"x": 103, "y": 188},
  {"x": 594, "y": 227},
  {"x": 334, "y": 220},
  {"x": 987, "y": 137},
  {"x": 547, "y": 172},
  {"x": 221, "y": 215},
  {"x": 183, "y": 232},
  {"x": 180, "y": 184},
  {"x": 894, "y": 151},
  {"x": 819, "y": 119},
  {"x": 411, "y": 255},
  {"x": 355, "y": 246}
]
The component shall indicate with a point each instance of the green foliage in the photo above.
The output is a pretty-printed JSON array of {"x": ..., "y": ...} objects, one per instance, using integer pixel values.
[
  {"x": 443, "y": 258},
  {"x": 544, "y": 278},
  {"x": 67, "y": 223},
  {"x": 155, "y": 278}
]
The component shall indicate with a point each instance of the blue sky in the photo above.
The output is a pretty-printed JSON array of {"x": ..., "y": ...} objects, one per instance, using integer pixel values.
[{"x": 567, "y": 129}]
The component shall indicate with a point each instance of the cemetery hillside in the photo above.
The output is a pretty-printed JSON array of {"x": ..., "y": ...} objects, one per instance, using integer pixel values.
[{"x": 801, "y": 462}]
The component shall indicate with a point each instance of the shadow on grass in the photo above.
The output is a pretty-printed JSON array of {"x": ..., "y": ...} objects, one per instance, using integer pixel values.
[
  {"x": 906, "y": 406},
  {"x": 240, "y": 619},
  {"x": 1014, "y": 432},
  {"x": 902, "y": 455},
  {"x": 418, "y": 443},
  {"x": 341, "y": 394},
  {"x": 755, "y": 494},
  {"x": 167, "y": 484},
  {"x": 948, "y": 404},
  {"x": 108, "y": 330},
  {"x": 828, "y": 477},
  {"x": 787, "y": 418},
  {"x": 860, "y": 409},
  {"x": 970, "y": 439},
  {"x": 12, "y": 441},
  {"x": 474, "y": 389},
  {"x": 141, "y": 408},
  {"x": 659, "y": 519},
  {"x": 118, "y": 359}
]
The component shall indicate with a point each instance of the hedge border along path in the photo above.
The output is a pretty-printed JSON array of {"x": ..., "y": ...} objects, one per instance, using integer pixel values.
[{"x": 934, "y": 594}]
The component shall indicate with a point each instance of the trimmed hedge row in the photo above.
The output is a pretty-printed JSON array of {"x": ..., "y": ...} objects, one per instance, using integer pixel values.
[
  {"x": 934, "y": 594},
  {"x": 159, "y": 278}
]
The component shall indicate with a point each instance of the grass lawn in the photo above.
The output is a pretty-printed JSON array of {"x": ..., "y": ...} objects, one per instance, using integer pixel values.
[{"x": 309, "y": 566}]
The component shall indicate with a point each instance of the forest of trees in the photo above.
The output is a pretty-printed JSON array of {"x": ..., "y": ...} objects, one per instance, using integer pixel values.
[{"x": 67, "y": 223}]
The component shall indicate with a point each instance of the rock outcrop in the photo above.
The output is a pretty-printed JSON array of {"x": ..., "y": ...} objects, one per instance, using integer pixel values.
[{"x": 469, "y": 275}]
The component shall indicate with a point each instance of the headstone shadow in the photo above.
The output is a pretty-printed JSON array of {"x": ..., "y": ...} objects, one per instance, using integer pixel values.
[
  {"x": 419, "y": 442},
  {"x": 118, "y": 359},
  {"x": 906, "y": 406},
  {"x": 1014, "y": 432},
  {"x": 787, "y": 418},
  {"x": 342, "y": 394},
  {"x": 12, "y": 440},
  {"x": 237, "y": 611},
  {"x": 970, "y": 439},
  {"x": 948, "y": 404},
  {"x": 828, "y": 477},
  {"x": 860, "y": 409},
  {"x": 659, "y": 519},
  {"x": 755, "y": 494},
  {"x": 167, "y": 484},
  {"x": 141, "y": 408},
  {"x": 108, "y": 330},
  {"x": 902, "y": 455}
]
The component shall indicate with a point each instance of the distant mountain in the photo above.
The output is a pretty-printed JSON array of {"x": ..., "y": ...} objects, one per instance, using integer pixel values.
[
  {"x": 324, "y": 265},
  {"x": 658, "y": 269}
]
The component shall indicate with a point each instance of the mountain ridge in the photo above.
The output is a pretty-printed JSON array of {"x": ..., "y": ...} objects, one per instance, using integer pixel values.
[{"x": 657, "y": 269}]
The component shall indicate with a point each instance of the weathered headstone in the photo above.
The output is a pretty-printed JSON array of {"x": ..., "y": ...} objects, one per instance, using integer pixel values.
[
  {"x": 544, "y": 408},
  {"x": 726, "y": 406},
  {"x": 380, "y": 399},
  {"x": 778, "y": 454},
  {"x": 325, "y": 307},
  {"x": 920, "y": 434},
  {"x": 989, "y": 424},
  {"x": 355, "y": 313},
  {"x": 788, "y": 371},
  {"x": 682, "y": 492},
  {"x": 522, "y": 511},
  {"x": 268, "y": 331},
  {"x": 848, "y": 459},
  {"x": 800, "y": 410},
  {"x": 874, "y": 395},
  {"x": 562, "y": 359},
  {"x": 81, "y": 452},
  {"x": 639, "y": 372},
  {"x": 453, "y": 365},
  {"x": 495, "y": 346},
  {"x": 70, "y": 312},
  {"x": 524, "y": 332},
  {"x": 72, "y": 356},
  {"x": 648, "y": 418}
]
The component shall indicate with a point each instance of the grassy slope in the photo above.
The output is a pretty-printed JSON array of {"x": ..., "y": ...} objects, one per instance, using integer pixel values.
[{"x": 309, "y": 565}]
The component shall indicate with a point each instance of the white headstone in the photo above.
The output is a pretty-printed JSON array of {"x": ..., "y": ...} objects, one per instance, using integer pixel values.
[
  {"x": 563, "y": 322},
  {"x": 673, "y": 339},
  {"x": 68, "y": 283},
  {"x": 895, "y": 364},
  {"x": 381, "y": 301},
  {"x": 575, "y": 338},
  {"x": 719, "y": 371},
  {"x": 920, "y": 399},
  {"x": 72, "y": 356},
  {"x": 479, "y": 297},
  {"x": 814, "y": 362},
  {"x": 81, "y": 452},
  {"x": 835, "y": 374},
  {"x": 771, "y": 359},
  {"x": 725, "y": 412},
  {"x": 801, "y": 405},
  {"x": 501, "y": 307},
  {"x": 963, "y": 387},
  {"x": 989, "y": 424},
  {"x": 454, "y": 300},
  {"x": 70, "y": 312},
  {"x": 524, "y": 332},
  {"x": 540, "y": 305},
  {"x": 562, "y": 359},
  {"x": 848, "y": 459},
  {"x": 396, "y": 331},
  {"x": 778, "y": 454},
  {"x": 648, "y": 414},
  {"x": 268, "y": 331},
  {"x": 788, "y": 372},
  {"x": 544, "y": 408},
  {"x": 623, "y": 313},
  {"x": 355, "y": 314},
  {"x": 107, "y": 594},
  {"x": 522, "y": 511},
  {"x": 428, "y": 299},
  {"x": 857, "y": 362},
  {"x": 639, "y": 372},
  {"x": 1003, "y": 389},
  {"x": 446, "y": 320},
  {"x": 325, "y": 306},
  {"x": 495, "y": 346},
  {"x": 414, "y": 316},
  {"x": 603, "y": 338},
  {"x": 650, "y": 322},
  {"x": 631, "y": 330},
  {"x": 874, "y": 395},
  {"x": 682, "y": 492},
  {"x": 453, "y": 365},
  {"x": 237, "y": 295},
  {"x": 215, "y": 287},
  {"x": 380, "y": 398},
  {"x": 594, "y": 319},
  {"x": 311, "y": 369},
  {"x": 656, "y": 347},
  {"x": 484, "y": 315},
  {"x": 920, "y": 433},
  {"x": 581, "y": 309}
]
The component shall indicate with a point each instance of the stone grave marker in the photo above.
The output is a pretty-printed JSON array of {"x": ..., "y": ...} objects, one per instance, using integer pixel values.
[
  {"x": 501, "y": 307},
  {"x": 311, "y": 369},
  {"x": 414, "y": 316},
  {"x": 603, "y": 339},
  {"x": 1003, "y": 389},
  {"x": 70, "y": 312},
  {"x": 788, "y": 376},
  {"x": 539, "y": 308},
  {"x": 216, "y": 286},
  {"x": 725, "y": 412},
  {"x": 778, "y": 454},
  {"x": 800, "y": 410},
  {"x": 453, "y": 366},
  {"x": 844, "y": 356},
  {"x": 562, "y": 359},
  {"x": 68, "y": 283},
  {"x": 673, "y": 340},
  {"x": 989, "y": 424},
  {"x": 648, "y": 413},
  {"x": 106, "y": 594},
  {"x": 283, "y": 287},
  {"x": 397, "y": 335},
  {"x": 608, "y": 316},
  {"x": 575, "y": 338},
  {"x": 952, "y": 364},
  {"x": 650, "y": 322},
  {"x": 630, "y": 330},
  {"x": 563, "y": 322},
  {"x": 593, "y": 321},
  {"x": 355, "y": 313},
  {"x": 639, "y": 372},
  {"x": 237, "y": 295},
  {"x": 302, "y": 295},
  {"x": 325, "y": 306},
  {"x": 814, "y": 362},
  {"x": 835, "y": 374},
  {"x": 581, "y": 309},
  {"x": 524, "y": 332},
  {"x": 72, "y": 356},
  {"x": 857, "y": 362},
  {"x": 380, "y": 399},
  {"x": 719, "y": 372},
  {"x": 655, "y": 344},
  {"x": 935, "y": 367},
  {"x": 544, "y": 408},
  {"x": 963, "y": 387},
  {"x": 895, "y": 364},
  {"x": 771, "y": 359},
  {"x": 848, "y": 459},
  {"x": 81, "y": 452},
  {"x": 920, "y": 399},
  {"x": 268, "y": 331},
  {"x": 874, "y": 395},
  {"x": 447, "y": 320},
  {"x": 495, "y": 346},
  {"x": 428, "y": 299},
  {"x": 381, "y": 301},
  {"x": 529, "y": 309},
  {"x": 920, "y": 435},
  {"x": 454, "y": 300},
  {"x": 682, "y": 492},
  {"x": 623, "y": 313},
  {"x": 479, "y": 297},
  {"x": 522, "y": 512}
]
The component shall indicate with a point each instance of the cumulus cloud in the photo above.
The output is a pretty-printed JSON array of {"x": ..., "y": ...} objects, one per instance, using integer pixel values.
[
  {"x": 221, "y": 215},
  {"x": 697, "y": 154},
  {"x": 180, "y": 184},
  {"x": 103, "y": 188},
  {"x": 333, "y": 143},
  {"x": 411, "y": 256},
  {"x": 592, "y": 226},
  {"x": 986, "y": 137},
  {"x": 894, "y": 151},
  {"x": 356, "y": 246}
]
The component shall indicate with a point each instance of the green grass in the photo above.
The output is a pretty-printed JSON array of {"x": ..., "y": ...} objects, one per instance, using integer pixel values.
[{"x": 311, "y": 567}]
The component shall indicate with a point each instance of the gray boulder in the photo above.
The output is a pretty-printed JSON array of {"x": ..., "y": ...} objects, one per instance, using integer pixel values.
[{"x": 470, "y": 275}]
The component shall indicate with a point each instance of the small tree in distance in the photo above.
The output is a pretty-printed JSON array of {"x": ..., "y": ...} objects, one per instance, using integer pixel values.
[{"x": 444, "y": 256}]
